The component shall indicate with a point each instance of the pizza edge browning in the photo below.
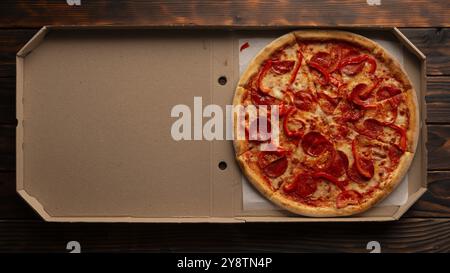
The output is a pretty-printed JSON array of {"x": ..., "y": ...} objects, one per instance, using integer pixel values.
[
  {"x": 256, "y": 178},
  {"x": 296, "y": 207},
  {"x": 393, "y": 66}
]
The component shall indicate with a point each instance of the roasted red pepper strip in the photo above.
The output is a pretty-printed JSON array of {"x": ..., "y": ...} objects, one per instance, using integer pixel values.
[
  {"x": 366, "y": 171},
  {"x": 336, "y": 55},
  {"x": 360, "y": 91},
  {"x": 366, "y": 93},
  {"x": 359, "y": 59},
  {"x": 244, "y": 46},
  {"x": 297, "y": 67},
  {"x": 323, "y": 71},
  {"x": 335, "y": 82},
  {"x": 262, "y": 74},
  {"x": 340, "y": 184},
  {"x": 297, "y": 133},
  {"x": 282, "y": 67},
  {"x": 402, "y": 133}
]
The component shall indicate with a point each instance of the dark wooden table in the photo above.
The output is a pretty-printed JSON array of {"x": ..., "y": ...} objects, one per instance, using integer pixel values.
[{"x": 425, "y": 227}]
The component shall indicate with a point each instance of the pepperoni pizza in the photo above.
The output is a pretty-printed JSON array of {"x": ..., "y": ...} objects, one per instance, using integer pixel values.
[{"x": 348, "y": 125}]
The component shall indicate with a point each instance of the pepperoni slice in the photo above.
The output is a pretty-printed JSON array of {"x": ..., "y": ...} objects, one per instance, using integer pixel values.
[
  {"x": 273, "y": 163},
  {"x": 352, "y": 69},
  {"x": 314, "y": 144},
  {"x": 353, "y": 65},
  {"x": 387, "y": 92},
  {"x": 354, "y": 175},
  {"x": 293, "y": 126},
  {"x": 329, "y": 61},
  {"x": 372, "y": 128},
  {"x": 363, "y": 164},
  {"x": 347, "y": 198},
  {"x": 282, "y": 67},
  {"x": 339, "y": 165},
  {"x": 276, "y": 168},
  {"x": 267, "y": 157},
  {"x": 327, "y": 103},
  {"x": 322, "y": 58},
  {"x": 303, "y": 186},
  {"x": 303, "y": 100}
]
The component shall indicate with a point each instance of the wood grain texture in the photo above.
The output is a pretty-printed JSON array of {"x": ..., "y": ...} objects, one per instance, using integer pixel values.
[
  {"x": 7, "y": 100},
  {"x": 434, "y": 43},
  {"x": 438, "y": 147},
  {"x": 420, "y": 13},
  {"x": 11, "y": 41},
  {"x": 438, "y": 99},
  {"x": 7, "y": 147},
  {"x": 426, "y": 226},
  {"x": 436, "y": 201},
  {"x": 12, "y": 206},
  {"x": 406, "y": 235}
]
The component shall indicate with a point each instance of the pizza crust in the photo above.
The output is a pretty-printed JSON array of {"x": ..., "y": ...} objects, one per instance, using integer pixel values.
[
  {"x": 412, "y": 134},
  {"x": 277, "y": 197},
  {"x": 299, "y": 208},
  {"x": 255, "y": 178},
  {"x": 373, "y": 48}
]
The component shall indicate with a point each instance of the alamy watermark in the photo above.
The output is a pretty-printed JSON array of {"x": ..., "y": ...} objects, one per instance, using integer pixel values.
[{"x": 254, "y": 123}]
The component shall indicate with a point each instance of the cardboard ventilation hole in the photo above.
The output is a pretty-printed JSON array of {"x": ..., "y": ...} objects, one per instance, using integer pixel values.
[{"x": 94, "y": 123}]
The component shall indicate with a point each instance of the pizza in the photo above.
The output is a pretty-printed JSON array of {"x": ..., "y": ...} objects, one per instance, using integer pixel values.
[{"x": 347, "y": 123}]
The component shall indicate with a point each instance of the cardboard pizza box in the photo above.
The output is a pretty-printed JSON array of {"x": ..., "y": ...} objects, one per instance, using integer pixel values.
[{"x": 94, "y": 134}]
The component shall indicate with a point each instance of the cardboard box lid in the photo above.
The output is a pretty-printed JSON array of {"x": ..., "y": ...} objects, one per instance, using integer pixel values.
[{"x": 94, "y": 118}]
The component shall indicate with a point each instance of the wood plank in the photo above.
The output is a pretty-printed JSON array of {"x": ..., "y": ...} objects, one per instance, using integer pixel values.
[
  {"x": 436, "y": 201},
  {"x": 438, "y": 100},
  {"x": 7, "y": 100},
  {"x": 438, "y": 147},
  {"x": 12, "y": 41},
  {"x": 406, "y": 235},
  {"x": 7, "y": 147},
  {"x": 12, "y": 206},
  {"x": 32, "y": 13},
  {"x": 433, "y": 42}
]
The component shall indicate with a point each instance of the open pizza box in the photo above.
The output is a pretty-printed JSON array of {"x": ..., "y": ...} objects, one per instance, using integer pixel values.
[{"x": 94, "y": 140}]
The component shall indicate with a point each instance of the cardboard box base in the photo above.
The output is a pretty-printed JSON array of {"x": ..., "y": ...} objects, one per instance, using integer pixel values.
[{"x": 94, "y": 137}]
